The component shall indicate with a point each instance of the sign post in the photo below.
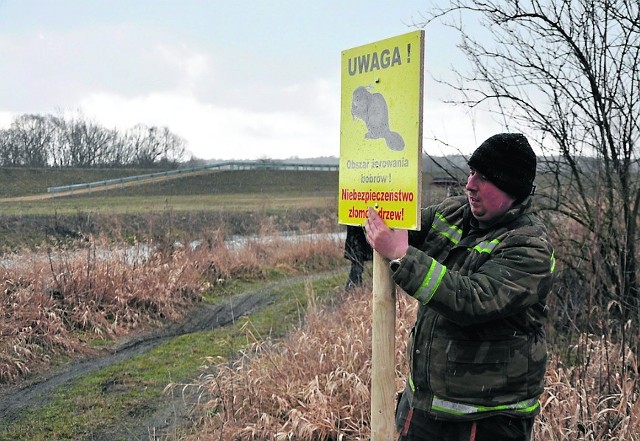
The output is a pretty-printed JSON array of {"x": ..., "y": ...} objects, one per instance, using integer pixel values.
[{"x": 381, "y": 167}]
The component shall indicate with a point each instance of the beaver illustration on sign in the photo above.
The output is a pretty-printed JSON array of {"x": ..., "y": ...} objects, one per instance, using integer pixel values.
[{"x": 372, "y": 109}]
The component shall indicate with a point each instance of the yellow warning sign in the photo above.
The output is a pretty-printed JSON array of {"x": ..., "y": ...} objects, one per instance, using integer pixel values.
[{"x": 381, "y": 131}]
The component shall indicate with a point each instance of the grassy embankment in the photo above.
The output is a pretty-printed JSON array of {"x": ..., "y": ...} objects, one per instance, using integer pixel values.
[{"x": 242, "y": 202}]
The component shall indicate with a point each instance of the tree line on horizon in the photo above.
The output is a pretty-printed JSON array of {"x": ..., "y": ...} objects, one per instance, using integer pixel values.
[{"x": 34, "y": 140}]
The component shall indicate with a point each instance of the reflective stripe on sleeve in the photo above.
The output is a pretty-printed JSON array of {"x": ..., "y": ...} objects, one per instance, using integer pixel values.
[
  {"x": 486, "y": 246},
  {"x": 431, "y": 281},
  {"x": 451, "y": 232},
  {"x": 451, "y": 407}
]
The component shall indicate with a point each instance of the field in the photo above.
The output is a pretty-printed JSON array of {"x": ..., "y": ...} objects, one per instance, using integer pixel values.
[{"x": 240, "y": 201}]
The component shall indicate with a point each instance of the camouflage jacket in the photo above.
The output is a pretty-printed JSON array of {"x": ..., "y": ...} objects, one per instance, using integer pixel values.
[{"x": 478, "y": 345}]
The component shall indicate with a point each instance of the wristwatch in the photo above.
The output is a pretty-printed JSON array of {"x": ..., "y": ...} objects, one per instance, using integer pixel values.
[{"x": 395, "y": 263}]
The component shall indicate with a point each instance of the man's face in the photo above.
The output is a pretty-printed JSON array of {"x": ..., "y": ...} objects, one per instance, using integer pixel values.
[{"x": 486, "y": 200}]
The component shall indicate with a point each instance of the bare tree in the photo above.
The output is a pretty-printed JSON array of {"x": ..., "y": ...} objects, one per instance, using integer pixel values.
[
  {"x": 119, "y": 152},
  {"x": 27, "y": 142},
  {"x": 173, "y": 146},
  {"x": 74, "y": 144},
  {"x": 566, "y": 72},
  {"x": 57, "y": 153},
  {"x": 144, "y": 145},
  {"x": 153, "y": 145},
  {"x": 86, "y": 143},
  {"x": 40, "y": 141}
]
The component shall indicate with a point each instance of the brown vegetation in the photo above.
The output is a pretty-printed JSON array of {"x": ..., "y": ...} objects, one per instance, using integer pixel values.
[
  {"x": 67, "y": 301},
  {"x": 593, "y": 395},
  {"x": 315, "y": 384},
  {"x": 312, "y": 386},
  {"x": 52, "y": 303}
]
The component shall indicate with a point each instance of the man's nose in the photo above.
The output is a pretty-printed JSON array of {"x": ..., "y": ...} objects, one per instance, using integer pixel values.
[{"x": 471, "y": 183}]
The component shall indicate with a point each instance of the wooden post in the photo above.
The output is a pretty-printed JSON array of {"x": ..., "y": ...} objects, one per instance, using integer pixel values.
[{"x": 383, "y": 359}]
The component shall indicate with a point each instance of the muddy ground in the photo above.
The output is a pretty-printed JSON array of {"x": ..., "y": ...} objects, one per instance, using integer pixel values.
[{"x": 175, "y": 410}]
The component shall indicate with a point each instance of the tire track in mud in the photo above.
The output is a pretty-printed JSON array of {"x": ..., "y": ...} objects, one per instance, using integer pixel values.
[{"x": 204, "y": 317}]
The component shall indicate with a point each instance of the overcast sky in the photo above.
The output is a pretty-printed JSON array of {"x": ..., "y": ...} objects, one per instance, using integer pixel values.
[{"x": 237, "y": 79}]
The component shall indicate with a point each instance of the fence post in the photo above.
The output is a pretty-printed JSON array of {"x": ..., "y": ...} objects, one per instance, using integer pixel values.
[{"x": 383, "y": 360}]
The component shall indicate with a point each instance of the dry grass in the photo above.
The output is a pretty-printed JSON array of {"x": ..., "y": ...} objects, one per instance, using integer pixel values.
[
  {"x": 595, "y": 397},
  {"x": 67, "y": 301},
  {"x": 54, "y": 304},
  {"x": 314, "y": 385}
]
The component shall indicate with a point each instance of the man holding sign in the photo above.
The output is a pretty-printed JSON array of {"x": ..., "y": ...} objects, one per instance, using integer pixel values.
[{"x": 481, "y": 268}]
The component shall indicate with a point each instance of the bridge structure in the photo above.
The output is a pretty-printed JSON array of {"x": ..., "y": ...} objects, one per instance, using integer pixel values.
[{"x": 186, "y": 171}]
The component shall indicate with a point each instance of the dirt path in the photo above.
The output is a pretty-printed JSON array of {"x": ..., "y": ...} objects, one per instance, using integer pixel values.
[{"x": 174, "y": 411}]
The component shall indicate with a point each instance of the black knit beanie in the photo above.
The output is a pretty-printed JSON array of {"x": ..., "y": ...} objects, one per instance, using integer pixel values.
[{"x": 508, "y": 161}]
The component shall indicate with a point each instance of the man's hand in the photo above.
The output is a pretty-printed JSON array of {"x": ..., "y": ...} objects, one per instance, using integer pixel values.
[{"x": 392, "y": 244}]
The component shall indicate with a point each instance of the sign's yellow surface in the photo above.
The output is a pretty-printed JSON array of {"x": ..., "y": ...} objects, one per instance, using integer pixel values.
[{"x": 381, "y": 131}]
